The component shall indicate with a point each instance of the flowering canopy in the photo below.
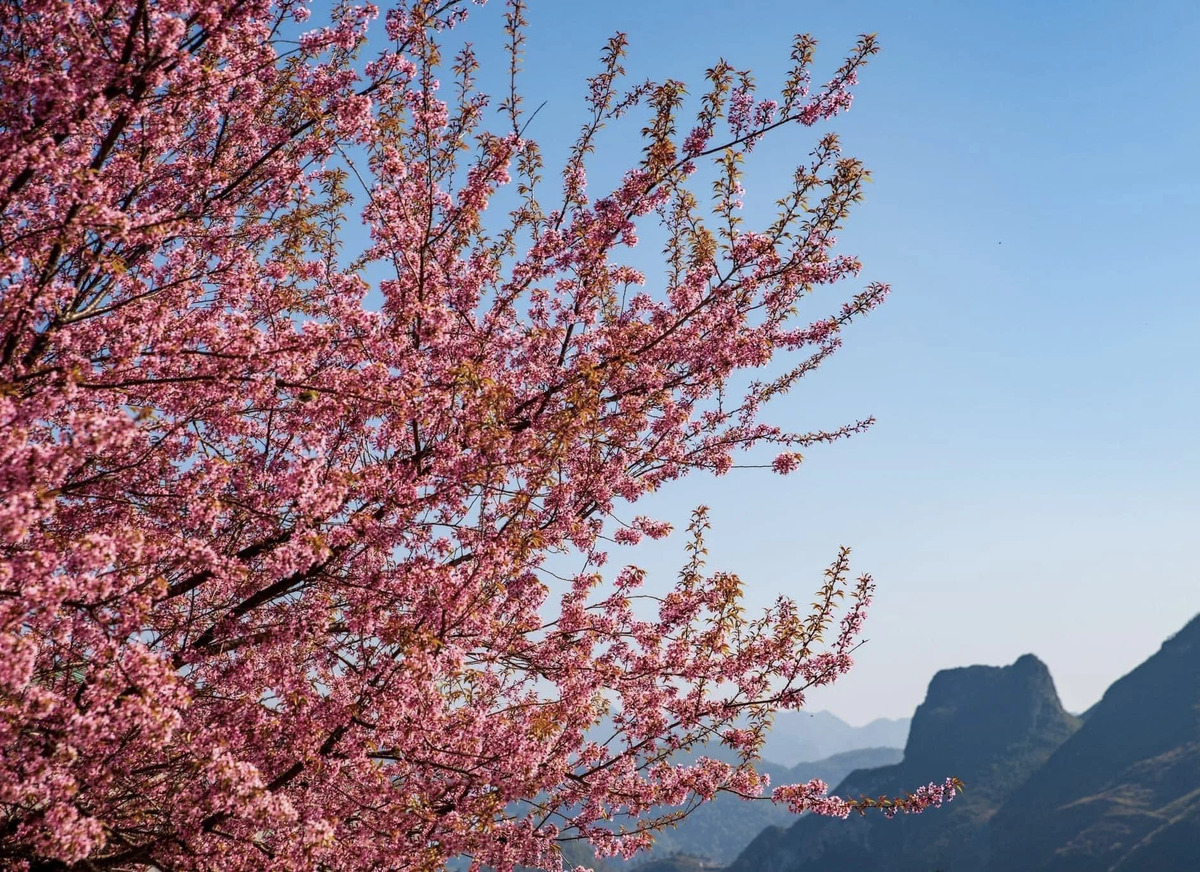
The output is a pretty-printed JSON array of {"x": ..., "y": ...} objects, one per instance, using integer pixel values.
[{"x": 273, "y": 590}]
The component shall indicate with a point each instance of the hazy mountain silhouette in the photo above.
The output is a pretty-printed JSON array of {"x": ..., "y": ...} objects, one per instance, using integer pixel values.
[
  {"x": 988, "y": 725},
  {"x": 804, "y": 736},
  {"x": 821, "y": 745},
  {"x": 1123, "y": 794},
  {"x": 680, "y": 862},
  {"x": 716, "y": 832}
]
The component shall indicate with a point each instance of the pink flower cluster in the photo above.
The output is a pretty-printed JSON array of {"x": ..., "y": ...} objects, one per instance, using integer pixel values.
[{"x": 294, "y": 433}]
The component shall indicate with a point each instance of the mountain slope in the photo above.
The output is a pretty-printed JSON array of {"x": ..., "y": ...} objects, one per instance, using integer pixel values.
[{"x": 1124, "y": 792}]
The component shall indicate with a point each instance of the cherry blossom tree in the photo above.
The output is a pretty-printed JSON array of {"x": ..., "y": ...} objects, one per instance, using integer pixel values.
[{"x": 293, "y": 428}]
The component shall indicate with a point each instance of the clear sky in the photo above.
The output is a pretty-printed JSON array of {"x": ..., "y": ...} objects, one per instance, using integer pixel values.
[{"x": 1032, "y": 483}]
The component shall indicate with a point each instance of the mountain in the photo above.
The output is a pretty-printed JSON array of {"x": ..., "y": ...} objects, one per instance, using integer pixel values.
[
  {"x": 680, "y": 862},
  {"x": 990, "y": 726},
  {"x": 833, "y": 769},
  {"x": 818, "y": 745},
  {"x": 1123, "y": 793},
  {"x": 716, "y": 832},
  {"x": 802, "y": 736}
]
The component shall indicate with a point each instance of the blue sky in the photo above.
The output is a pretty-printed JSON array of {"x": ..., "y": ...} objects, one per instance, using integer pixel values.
[{"x": 1032, "y": 482}]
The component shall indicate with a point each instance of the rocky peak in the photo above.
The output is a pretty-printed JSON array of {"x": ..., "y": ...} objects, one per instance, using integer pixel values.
[{"x": 974, "y": 715}]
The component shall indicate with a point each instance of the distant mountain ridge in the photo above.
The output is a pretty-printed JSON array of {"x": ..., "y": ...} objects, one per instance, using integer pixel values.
[
  {"x": 716, "y": 832},
  {"x": 799, "y": 747},
  {"x": 803, "y": 736}
]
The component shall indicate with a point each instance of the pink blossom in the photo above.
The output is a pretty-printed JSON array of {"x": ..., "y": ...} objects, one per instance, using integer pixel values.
[
  {"x": 787, "y": 462},
  {"x": 297, "y": 433}
]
